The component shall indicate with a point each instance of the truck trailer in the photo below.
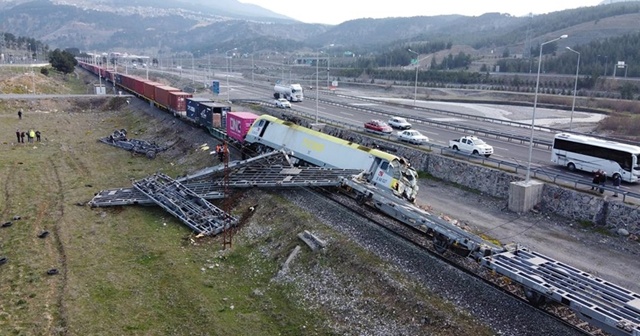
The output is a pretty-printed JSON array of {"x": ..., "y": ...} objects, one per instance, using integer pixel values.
[{"x": 290, "y": 92}]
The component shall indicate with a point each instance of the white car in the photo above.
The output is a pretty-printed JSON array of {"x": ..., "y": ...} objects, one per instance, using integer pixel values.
[
  {"x": 412, "y": 136},
  {"x": 399, "y": 123},
  {"x": 282, "y": 103}
]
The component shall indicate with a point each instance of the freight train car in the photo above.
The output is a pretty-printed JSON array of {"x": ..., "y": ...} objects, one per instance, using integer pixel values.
[{"x": 383, "y": 170}]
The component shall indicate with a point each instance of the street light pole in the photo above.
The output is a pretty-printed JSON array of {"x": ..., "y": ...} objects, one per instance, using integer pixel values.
[
  {"x": 535, "y": 103},
  {"x": 317, "y": 94},
  {"x": 575, "y": 89},
  {"x": 226, "y": 53},
  {"x": 415, "y": 86}
]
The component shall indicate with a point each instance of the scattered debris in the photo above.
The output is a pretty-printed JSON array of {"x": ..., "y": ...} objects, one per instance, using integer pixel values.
[
  {"x": 7, "y": 224},
  {"x": 16, "y": 217},
  {"x": 3, "y": 260},
  {"x": 52, "y": 271},
  {"x": 285, "y": 267},
  {"x": 43, "y": 234},
  {"x": 312, "y": 241},
  {"x": 119, "y": 139}
]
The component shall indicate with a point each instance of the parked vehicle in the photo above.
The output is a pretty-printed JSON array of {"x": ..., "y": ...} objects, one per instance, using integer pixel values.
[
  {"x": 399, "y": 123},
  {"x": 471, "y": 144},
  {"x": 290, "y": 92},
  {"x": 378, "y": 126},
  {"x": 282, "y": 103},
  {"x": 412, "y": 136}
]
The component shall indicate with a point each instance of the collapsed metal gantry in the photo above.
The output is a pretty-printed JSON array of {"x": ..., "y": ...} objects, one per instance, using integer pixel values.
[{"x": 612, "y": 308}]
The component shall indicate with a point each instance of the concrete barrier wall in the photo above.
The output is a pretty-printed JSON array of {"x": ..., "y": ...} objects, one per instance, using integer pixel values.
[{"x": 561, "y": 201}]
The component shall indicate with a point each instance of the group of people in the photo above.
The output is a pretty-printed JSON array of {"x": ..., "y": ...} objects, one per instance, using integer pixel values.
[
  {"x": 600, "y": 178},
  {"x": 31, "y": 135}
]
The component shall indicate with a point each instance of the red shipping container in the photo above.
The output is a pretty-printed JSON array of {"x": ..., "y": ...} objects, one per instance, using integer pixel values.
[
  {"x": 149, "y": 90},
  {"x": 132, "y": 83},
  {"x": 239, "y": 123},
  {"x": 162, "y": 95},
  {"x": 138, "y": 85},
  {"x": 125, "y": 81},
  {"x": 178, "y": 102}
]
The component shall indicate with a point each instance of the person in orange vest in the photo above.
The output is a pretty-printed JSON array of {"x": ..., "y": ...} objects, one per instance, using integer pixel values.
[{"x": 219, "y": 151}]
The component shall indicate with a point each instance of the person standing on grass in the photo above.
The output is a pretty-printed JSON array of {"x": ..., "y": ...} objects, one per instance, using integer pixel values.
[
  {"x": 32, "y": 134},
  {"x": 22, "y": 134},
  {"x": 38, "y": 136},
  {"x": 18, "y": 135},
  {"x": 616, "y": 183},
  {"x": 20, "y": 114}
]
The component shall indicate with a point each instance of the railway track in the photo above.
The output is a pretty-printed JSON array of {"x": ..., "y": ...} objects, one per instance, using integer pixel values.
[{"x": 424, "y": 243}]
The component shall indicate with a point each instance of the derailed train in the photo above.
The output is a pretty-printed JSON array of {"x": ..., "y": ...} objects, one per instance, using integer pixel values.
[
  {"x": 383, "y": 170},
  {"x": 380, "y": 169},
  {"x": 600, "y": 303}
]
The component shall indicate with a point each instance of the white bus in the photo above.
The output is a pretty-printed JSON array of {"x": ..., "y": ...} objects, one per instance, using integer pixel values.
[{"x": 590, "y": 154}]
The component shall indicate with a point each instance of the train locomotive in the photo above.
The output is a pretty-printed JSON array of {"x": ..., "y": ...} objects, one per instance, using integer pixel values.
[{"x": 380, "y": 169}]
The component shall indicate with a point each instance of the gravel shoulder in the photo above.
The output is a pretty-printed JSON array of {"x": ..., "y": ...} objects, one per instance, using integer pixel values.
[{"x": 608, "y": 256}]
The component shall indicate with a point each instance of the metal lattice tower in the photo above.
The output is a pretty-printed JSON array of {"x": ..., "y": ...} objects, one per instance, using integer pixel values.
[{"x": 227, "y": 236}]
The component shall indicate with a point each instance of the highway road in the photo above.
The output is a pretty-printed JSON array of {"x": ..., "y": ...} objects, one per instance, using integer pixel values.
[{"x": 351, "y": 107}]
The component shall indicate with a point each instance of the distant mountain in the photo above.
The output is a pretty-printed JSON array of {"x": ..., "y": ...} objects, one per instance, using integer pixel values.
[
  {"x": 204, "y": 26},
  {"x": 608, "y": 2}
]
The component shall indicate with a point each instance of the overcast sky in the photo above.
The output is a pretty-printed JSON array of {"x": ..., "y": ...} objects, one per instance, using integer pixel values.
[{"x": 338, "y": 11}]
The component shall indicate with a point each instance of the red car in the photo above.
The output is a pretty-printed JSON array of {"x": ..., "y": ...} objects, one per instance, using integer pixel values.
[{"x": 378, "y": 126}]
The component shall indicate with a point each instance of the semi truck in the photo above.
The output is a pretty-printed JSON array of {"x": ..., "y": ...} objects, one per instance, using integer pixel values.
[{"x": 290, "y": 92}]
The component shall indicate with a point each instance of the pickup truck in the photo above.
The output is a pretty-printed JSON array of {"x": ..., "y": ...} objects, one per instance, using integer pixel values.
[
  {"x": 378, "y": 126},
  {"x": 471, "y": 144}
]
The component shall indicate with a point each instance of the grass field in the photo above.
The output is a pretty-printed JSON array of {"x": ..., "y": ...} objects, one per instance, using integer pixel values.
[{"x": 137, "y": 270}]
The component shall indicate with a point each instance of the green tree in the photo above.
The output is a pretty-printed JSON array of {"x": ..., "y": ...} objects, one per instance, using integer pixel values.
[
  {"x": 63, "y": 61},
  {"x": 628, "y": 90}
]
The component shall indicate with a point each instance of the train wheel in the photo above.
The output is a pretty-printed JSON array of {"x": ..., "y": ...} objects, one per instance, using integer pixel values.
[
  {"x": 534, "y": 298},
  {"x": 440, "y": 243}
]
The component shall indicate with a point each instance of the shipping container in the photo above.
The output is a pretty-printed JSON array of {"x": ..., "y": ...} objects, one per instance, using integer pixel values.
[
  {"x": 238, "y": 124},
  {"x": 195, "y": 108},
  {"x": 178, "y": 102},
  {"x": 150, "y": 89},
  {"x": 214, "y": 115},
  {"x": 138, "y": 85},
  {"x": 162, "y": 95}
]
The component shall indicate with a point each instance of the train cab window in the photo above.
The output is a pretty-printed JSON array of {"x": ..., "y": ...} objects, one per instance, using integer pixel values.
[
  {"x": 394, "y": 169},
  {"x": 263, "y": 124},
  {"x": 384, "y": 165}
]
